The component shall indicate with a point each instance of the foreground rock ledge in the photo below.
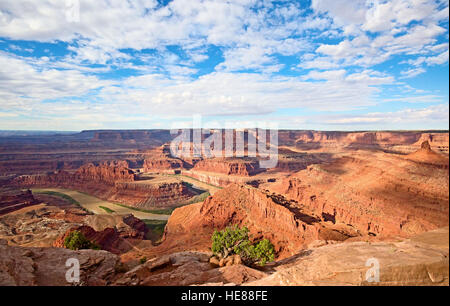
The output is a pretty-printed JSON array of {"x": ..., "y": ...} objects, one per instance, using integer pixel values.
[
  {"x": 422, "y": 260},
  {"x": 21, "y": 266}
]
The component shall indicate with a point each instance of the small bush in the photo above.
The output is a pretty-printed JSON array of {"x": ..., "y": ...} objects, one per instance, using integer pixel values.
[
  {"x": 235, "y": 240},
  {"x": 143, "y": 260},
  {"x": 77, "y": 241},
  {"x": 263, "y": 251}
]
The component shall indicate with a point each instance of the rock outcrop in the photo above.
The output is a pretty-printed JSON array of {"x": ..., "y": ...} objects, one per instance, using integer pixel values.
[
  {"x": 110, "y": 232},
  {"x": 380, "y": 194},
  {"x": 404, "y": 142},
  {"x": 184, "y": 269},
  {"x": 104, "y": 173},
  {"x": 227, "y": 166},
  {"x": 162, "y": 164},
  {"x": 422, "y": 260},
  {"x": 21, "y": 266},
  {"x": 109, "y": 172},
  {"x": 111, "y": 182},
  {"x": 160, "y": 160},
  {"x": 14, "y": 199},
  {"x": 46, "y": 226},
  {"x": 215, "y": 179},
  {"x": 283, "y": 222},
  {"x": 425, "y": 155},
  {"x": 107, "y": 239},
  {"x": 38, "y": 225},
  {"x": 127, "y": 226}
]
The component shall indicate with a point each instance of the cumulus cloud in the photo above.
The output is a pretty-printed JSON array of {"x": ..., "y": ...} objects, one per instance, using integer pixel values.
[
  {"x": 23, "y": 84},
  {"x": 272, "y": 56},
  {"x": 390, "y": 26},
  {"x": 105, "y": 27},
  {"x": 223, "y": 93},
  {"x": 410, "y": 73}
]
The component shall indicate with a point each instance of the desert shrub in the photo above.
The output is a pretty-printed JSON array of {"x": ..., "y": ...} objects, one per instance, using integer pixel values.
[
  {"x": 77, "y": 241},
  {"x": 263, "y": 251},
  {"x": 143, "y": 260},
  {"x": 235, "y": 240}
]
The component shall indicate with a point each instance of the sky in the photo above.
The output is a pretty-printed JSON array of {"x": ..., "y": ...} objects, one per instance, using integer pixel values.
[{"x": 320, "y": 64}]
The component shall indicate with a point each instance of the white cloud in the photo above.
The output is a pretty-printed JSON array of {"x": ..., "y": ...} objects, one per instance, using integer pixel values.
[
  {"x": 389, "y": 21},
  {"x": 250, "y": 35},
  {"x": 223, "y": 93},
  {"x": 108, "y": 26},
  {"x": 342, "y": 12},
  {"x": 439, "y": 59},
  {"x": 22, "y": 83},
  {"x": 410, "y": 73}
]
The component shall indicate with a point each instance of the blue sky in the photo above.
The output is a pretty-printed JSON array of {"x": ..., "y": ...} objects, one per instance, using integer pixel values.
[{"x": 320, "y": 64}]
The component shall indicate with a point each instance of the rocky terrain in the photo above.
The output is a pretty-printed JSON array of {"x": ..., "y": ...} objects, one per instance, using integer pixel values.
[
  {"x": 370, "y": 195},
  {"x": 288, "y": 227},
  {"x": 334, "y": 200},
  {"x": 400, "y": 142},
  {"x": 13, "y": 199},
  {"x": 378, "y": 193},
  {"x": 36, "y": 154},
  {"x": 159, "y": 159},
  {"x": 43, "y": 225},
  {"x": 24, "y": 266},
  {"x": 229, "y": 166},
  {"x": 422, "y": 260},
  {"x": 113, "y": 182}
]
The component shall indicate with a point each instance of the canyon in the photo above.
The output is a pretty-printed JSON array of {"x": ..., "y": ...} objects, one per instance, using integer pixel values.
[
  {"x": 34, "y": 154},
  {"x": 356, "y": 194},
  {"x": 112, "y": 182}
]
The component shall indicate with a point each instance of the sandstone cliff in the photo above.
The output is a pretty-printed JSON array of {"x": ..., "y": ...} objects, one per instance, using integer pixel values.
[
  {"x": 108, "y": 172},
  {"x": 112, "y": 182},
  {"x": 162, "y": 164},
  {"x": 109, "y": 239},
  {"x": 287, "y": 226},
  {"x": 14, "y": 199},
  {"x": 380, "y": 194},
  {"x": 404, "y": 142},
  {"x": 425, "y": 155},
  {"x": 228, "y": 166}
]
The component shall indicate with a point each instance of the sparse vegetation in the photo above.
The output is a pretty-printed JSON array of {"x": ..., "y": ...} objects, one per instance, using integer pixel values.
[
  {"x": 198, "y": 198},
  {"x": 143, "y": 260},
  {"x": 107, "y": 209},
  {"x": 234, "y": 240},
  {"x": 194, "y": 179},
  {"x": 167, "y": 211},
  {"x": 156, "y": 228},
  {"x": 77, "y": 241},
  {"x": 162, "y": 211},
  {"x": 61, "y": 195}
]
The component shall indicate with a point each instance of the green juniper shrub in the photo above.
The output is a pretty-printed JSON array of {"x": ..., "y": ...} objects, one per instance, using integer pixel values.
[
  {"x": 263, "y": 251},
  {"x": 77, "y": 241},
  {"x": 234, "y": 240}
]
